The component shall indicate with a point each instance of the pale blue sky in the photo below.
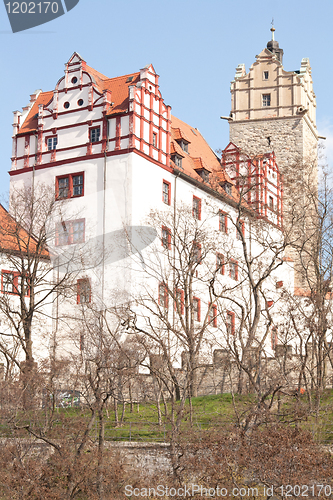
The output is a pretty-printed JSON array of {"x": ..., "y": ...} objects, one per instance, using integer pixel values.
[{"x": 194, "y": 46}]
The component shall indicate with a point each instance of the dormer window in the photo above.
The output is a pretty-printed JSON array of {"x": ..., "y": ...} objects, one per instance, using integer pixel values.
[
  {"x": 227, "y": 187},
  {"x": 204, "y": 174},
  {"x": 184, "y": 145},
  {"x": 177, "y": 160}
]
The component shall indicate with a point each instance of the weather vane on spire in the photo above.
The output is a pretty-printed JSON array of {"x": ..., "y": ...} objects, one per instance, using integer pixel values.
[{"x": 272, "y": 28}]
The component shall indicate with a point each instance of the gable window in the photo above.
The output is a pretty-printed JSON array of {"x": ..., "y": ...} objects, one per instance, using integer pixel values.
[
  {"x": 196, "y": 309},
  {"x": 166, "y": 238},
  {"x": 179, "y": 302},
  {"x": 51, "y": 143},
  {"x": 230, "y": 323},
  {"x": 212, "y": 315},
  {"x": 220, "y": 263},
  {"x": 240, "y": 229},
  {"x": 166, "y": 192},
  {"x": 233, "y": 269},
  {"x": 163, "y": 295},
  {"x": 94, "y": 134},
  {"x": 154, "y": 139},
  {"x": 223, "y": 222},
  {"x": 266, "y": 100},
  {"x": 70, "y": 186},
  {"x": 265, "y": 75},
  {"x": 196, "y": 208},
  {"x": 83, "y": 291},
  {"x": 70, "y": 232}
]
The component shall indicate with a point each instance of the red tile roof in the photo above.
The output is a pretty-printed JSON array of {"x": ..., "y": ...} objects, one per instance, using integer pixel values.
[
  {"x": 15, "y": 239},
  {"x": 30, "y": 123}
]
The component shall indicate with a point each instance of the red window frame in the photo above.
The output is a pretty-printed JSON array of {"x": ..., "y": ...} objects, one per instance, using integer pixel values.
[
  {"x": 168, "y": 202},
  {"x": 69, "y": 228},
  {"x": 223, "y": 221},
  {"x": 179, "y": 292},
  {"x": 279, "y": 284},
  {"x": 233, "y": 275},
  {"x": 163, "y": 298},
  {"x": 196, "y": 207},
  {"x": 166, "y": 243},
  {"x": 220, "y": 264},
  {"x": 196, "y": 249},
  {"x": 241, "y": 223},
  {"x": 16, "y": 276},
  {"x": 212, "y": 315},
  {"x": 80, "y": 283},
  {"x": 70, "y": 185},
  {"x": 197, "y": 309},
  {"x": 230, "y": 326}
]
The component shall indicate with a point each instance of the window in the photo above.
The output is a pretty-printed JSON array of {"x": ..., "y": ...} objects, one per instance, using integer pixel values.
[
  {"x": 163, "y": 295},
  {"x": 230, "y": 323},
  {"x": 94, "y": 134},
  {"x": 227, "y": 188},
  {"x": 220, "y": 263},
  {"x": 233, "y": 269},
  {"x": 166, "y": 192},
  {"x": 184, "y": 145},
  {"x": 196, "y": 208},
  {"x": 179, "y": 302},
  {"x": 12, "y": 282},
  {"x": 9, "y": 282},
  {"x": 240, "y": 229},
  {"x": 196, "y": 309},
  {"x": 70, "y": 232},
  {"x": 223, "y": 222},
  {"x": 51, "y": 143},
  {"x": 154, "y": 139},
  {"x": 177, "y": 160},
  {"x": 70, "y": 186},
  {"x": 265, "y": 75},
  {"x": 212, "y": 315},
  {"x": 266, "y": 100},
  {"x": 274, "y": 337},
  {"x": 271, "y": 202},
  {"x": 166, "y": 238},
  {"x": 196, "y": 249},
  {"x": 83, "y": 291}
]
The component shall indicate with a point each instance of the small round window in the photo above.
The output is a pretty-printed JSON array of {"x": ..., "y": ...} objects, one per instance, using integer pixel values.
[
  {"x": 80, "y": 102},
  {"x": 74, "y": 79},
  {"x": 66, "y": 105}
]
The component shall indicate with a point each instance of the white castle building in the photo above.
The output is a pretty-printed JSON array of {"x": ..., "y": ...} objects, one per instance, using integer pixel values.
[{"x": 129, "y": 176}]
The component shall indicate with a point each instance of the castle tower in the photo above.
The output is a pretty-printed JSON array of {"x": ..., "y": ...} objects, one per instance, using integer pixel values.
[{"x": 274, "y": 110}]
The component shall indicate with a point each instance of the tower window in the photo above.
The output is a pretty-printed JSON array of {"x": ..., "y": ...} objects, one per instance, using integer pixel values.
[
  {"x": 166, "y": 192},
  {"x": 266, "y": 74},
  {"x": 94, "y": 134},
  {"x": 83, "y": 291},
  {"x": 154, "y": 139},
  {"x": 196, "y": 208},
  {"x": 266, "y": 100}
]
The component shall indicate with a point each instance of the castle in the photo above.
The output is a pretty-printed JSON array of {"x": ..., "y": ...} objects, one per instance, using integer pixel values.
[{"x": 114, "y": 156}]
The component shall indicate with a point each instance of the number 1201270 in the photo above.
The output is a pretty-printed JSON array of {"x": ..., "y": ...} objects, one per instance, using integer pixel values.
[{"x": 32, "y": 7}]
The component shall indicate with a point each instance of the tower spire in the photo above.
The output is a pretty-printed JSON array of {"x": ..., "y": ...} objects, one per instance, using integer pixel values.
[{"x": 272, "y": 29}]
